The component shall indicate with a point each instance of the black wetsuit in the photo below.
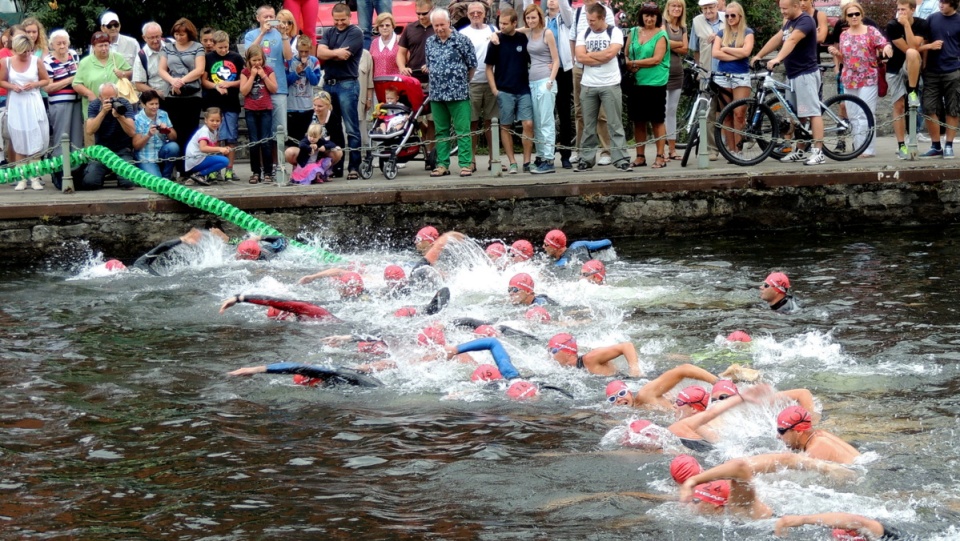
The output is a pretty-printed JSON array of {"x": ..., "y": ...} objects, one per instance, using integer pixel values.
[
  {"x": 580, "y": 362},
  {"x": 702, "y": 446},
  {"x": 147, "y": 260},
  {"x": 270, "y": 246},
  {"x": 786, "y": 305},
  {"x": 541, "y": 300},
  {"x": 330, "y": 376}
]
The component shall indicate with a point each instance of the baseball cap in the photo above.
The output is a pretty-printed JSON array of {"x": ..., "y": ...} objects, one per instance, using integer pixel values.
[
  {"x": 522, "y": 390},
  {"x": 248, "y": 249},
  {"x": 350, "y": 284},
  {"x": 300, "y": 379},
  {"x": 684, "y": 467},
  {"x": 486, "y": 372},
  {"x": 523, "y": 282},
  {"x": 109, "y": 17},
  {"x": 486, "y": 330},
  {"x": 406, "y": 311},
  {"x": 706, "y": 2},
  {"x": 555, "y": 239},
  {"x": 594, "y": 267},
  {"x": 778, "y": 281},
  {"x": 694, "y": 396},
  {"x": 115, "y": 265},
  {"x": 521, "y": 250},
  {"x": 496, "y": 250},
  {"x": 428, "y": 233},
  {"x": 715, "y": 492},
  {"x": 537, "y": 313},
  {"x": 394, "y": 273},
  {"x": 431, "y": 336},
  {"x": 723, "y": 387},
  {"x": 738, "y": 336},
  {"x": 562, "y": 341},
  {"x": 794, "y": 418}
]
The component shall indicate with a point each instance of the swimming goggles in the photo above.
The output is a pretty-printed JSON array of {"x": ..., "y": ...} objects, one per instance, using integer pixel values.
[
  {"x": 784, "y": 430},
  {"x": 620, "y": 394},
  {"x": 513, "y": 290}
]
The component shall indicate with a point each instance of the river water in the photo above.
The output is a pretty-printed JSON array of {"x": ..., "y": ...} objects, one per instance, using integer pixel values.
[{"x": 118, "y": 421}]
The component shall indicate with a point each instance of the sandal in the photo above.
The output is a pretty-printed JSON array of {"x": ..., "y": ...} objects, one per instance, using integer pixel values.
[
  {"x": 676, "y": 157},
  {"x": 353, "y": 175},
  {"x": 660, "y": 163},
  {"x": 254, "y": 179},
  {"x": 638, "y": 163},
  {"x": 267, "y": 179},
  {"x": 440, "y": 171},
  {"x": 467, "y": 172},
  {"x": 473, "y": 168}
]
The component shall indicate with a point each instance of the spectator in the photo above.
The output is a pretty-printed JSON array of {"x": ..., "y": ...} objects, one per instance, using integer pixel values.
[
  {"x": 412, "y": 60},
  {"x": 6, "y": 52},
  {"x": 365, "y": 10},
  {"x": 560, "y": 21},
  {"x": 206, "y": 40},
  {"x": 941, "y": 77},
  {"x": 544, "y": 65},
  {"x": 257, "y": 82},
  {"x": 289, "y": 29},
  {"x": 859, "y": 46},
  {"x": 146, "y": 67},
  {"x": 581, "y": 29},
  {"x": 597, "y": 50},
  {"x": 98, "y": 67},
  {"x": 182, "y": 64},
  {"x": 34, "y": 30},
  {"x": 204, "y": 158},
  {"x": 384, "y": 48},
  {"x": 705, "y": 28},
  {"x": 303, "y": 74},
  {"x": 819, "y": 17},
  {"x": 365, "y": 107},
  {"x": 451, "y": 61},
  {"x": 483, "y": 104},
  {"x": 340, "y": 50},
  {"x": 648, "y": 59},
  {"x": 304, "y": 13},
  {"x": 23, "y": 75},
  {"x": 506, "y": 65},
  {"x": 907, "y": 34},
  {"x": 277, "y": 53},
  {"x": 123, "y": 45},
  {"x": 110, "y": 120},
  {"x": 732, "y": 48},
  {"x": 221, "y": 79},
  {"x": 65, "y": 115},
  {"x": 322, "y": 112},
  {"x": 155, "y": 138},
  {"x": 675, "y": 23}
]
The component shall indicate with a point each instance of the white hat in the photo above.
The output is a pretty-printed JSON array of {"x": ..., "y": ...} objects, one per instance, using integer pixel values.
[
  {"x": 706, "y": 2},
  {"x": 109, "y": 17}
]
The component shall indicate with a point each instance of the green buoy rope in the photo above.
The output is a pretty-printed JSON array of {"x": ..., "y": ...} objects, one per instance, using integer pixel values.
[{"x": 158, "y": 185}]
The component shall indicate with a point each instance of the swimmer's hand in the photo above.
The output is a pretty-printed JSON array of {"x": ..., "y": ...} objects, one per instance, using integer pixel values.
[
  {"x": 451, "y": 351},
  {"x": 758, "y": 393},
  {"x": 248, "y": 371},
  {"x": 219, "y": 234},
  {"x": 230, "y": 302},
  {"x": 336, "y": 340},
  {"x": 686, "y": 491},
  {"x": 192, "y": 237},
  {"x": 739, "y": 374},
  {"x": 307, "y": 279}
]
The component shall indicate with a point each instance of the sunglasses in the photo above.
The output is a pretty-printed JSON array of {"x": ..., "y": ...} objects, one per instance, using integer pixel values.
[
  {"x": 620, "y": 394},
  {"x": 854, "y": 14},
  {"x": 513, "y": 290},
  {"x": 732, "y": 15},
  {"x": 423, "y": 13},
  {"x": 588, "y": 274},
  {"x": 113, "y": 25}
]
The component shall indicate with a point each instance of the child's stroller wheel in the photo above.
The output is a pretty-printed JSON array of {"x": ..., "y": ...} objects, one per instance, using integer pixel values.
[
  {"x": 389, "y": 169},
  {"x": 366, "y": 169},
  {"x": 430, "y": 161}
]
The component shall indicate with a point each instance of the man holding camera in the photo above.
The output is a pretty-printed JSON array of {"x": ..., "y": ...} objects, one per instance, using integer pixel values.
[{"x": 110, "y": 119}]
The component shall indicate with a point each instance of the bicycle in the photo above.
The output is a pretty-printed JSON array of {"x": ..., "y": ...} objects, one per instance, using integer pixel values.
[
  {"x": 690, "y": 131},
  {"x": 760, "y": 137}
]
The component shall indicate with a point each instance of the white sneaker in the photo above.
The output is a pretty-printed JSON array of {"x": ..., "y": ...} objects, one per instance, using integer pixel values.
[
  {"x": 923, "y": 138},
  {"x": 796, "y": 156},
  {"x": 574, "y": 158},
  {"x": 604, "y": 160},
  {"x": 35, "y": 184},
  {"x": 22, "y": 185},
  {"x": 816, "y": 157}
]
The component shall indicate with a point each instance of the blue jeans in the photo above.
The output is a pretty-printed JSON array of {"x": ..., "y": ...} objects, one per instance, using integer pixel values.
[
  {"x": 210, "y": 164},
  {"x": 365, "y": 16},
  {"x": 260, "y": 126},
  {"x": 346, "y": 95},
  {"x": 163, "y": 169}
]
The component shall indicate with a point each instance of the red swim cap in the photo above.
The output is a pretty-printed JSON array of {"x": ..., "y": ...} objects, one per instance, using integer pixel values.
[
  {"x": 248, "y": 249},
  {"x": 738, "y": 336},
  {"x": 594, "y": 267},
  {"x": 278, "y": 314},
  {"x": 695, "y": 396},
  {"x": 564, "y": 341},
  {"x": 555, "y": 239},
  {"x": 847, "y": 535},
  {"x": 115, "y": 265},
  {"x": 300, "y": 379},
  {"x": 635, "y": 436},
  {"x": 615, "y": 387},
  {"x": 486, "y": 330},
  {"x": 431, "y": 336},
  {"x": 795, "y": 418},
  {"x": 486, "y": 372},
  {"x": 406, "y": 311},
  {"x": 375, "y": 347},
  {"x": 394, "y": 273},
  {"x": 428, "y": 233},
  {"x": 538, "y": 314},
  {"x": 723, "y": 387},
  {"x": 523, "y": 282},
  {"x": 522, "y": 390},
  {"x": 521, "y": 250},
  {"x": 715, "y": 492},
  {"x": 684, "y": 467},
  {"x": 350, "y": 284},
  {"x": 778, "y": 281},
  {"x": 496, "y": 250}
]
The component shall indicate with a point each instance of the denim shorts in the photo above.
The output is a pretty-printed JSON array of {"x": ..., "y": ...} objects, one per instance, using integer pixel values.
[
  {"x": 514, "y": 107},
  {"x": 229, "y": 133}
]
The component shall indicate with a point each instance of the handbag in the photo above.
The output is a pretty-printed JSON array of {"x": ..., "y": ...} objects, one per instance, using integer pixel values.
[
  {"x": 690, "y": 85},
  {"x": 881, "y": 79},
  {"x": 125, "y": 88}
]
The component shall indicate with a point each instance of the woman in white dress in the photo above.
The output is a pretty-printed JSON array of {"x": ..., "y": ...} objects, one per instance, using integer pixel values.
[{"x": 23, "y": 75}]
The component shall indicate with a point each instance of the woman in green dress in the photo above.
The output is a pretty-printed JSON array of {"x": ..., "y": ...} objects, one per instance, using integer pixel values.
[{"x": 649, "y": 62}]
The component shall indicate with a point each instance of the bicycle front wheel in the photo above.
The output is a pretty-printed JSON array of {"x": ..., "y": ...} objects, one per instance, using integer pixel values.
[
  {"x": 846, "y": 136},
  {"x": 683, "y": 113},
  {"x": 693, "y": 144},
  {"x": 751, "y": 143}
]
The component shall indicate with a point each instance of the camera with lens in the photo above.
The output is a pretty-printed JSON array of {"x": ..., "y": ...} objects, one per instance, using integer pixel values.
[{"x": 118, "y": 106}]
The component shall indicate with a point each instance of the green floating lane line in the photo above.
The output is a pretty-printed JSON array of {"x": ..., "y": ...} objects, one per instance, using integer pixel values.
[{"x": 158, "y": 185}]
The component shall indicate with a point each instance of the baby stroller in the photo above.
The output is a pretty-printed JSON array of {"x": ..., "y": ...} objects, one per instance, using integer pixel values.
[{"x": 402, "y": 142}]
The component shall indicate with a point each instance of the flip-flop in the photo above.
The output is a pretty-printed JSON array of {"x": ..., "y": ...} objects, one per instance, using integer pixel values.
[
  {"x": 466, "y": 173},
  {"x": 440, "y": 171}
]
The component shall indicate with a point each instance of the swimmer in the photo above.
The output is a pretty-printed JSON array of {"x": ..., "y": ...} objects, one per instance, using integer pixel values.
[
  {"x": 521, "y": 251},
  {"x": 396, "y": 280},
  {"x": 489, "y": 326},
  {"x": 795, "y": 428},
  {"x": 432, "y": 254},
  {"x": 348, "y": 284},
  {"x": 594, "y": 271},
  {"x": 259, "y": 248},
  {"x": 497, "y": 251},
  {"x": 775, "y": 291},
  {"x": 425, "y": 238},
  {"x": 283, "y": 309},
  {"x": 563, "y": 349},
  {"x": 521, "y": 291},
  {"x": 846, "y": 526},
  {"x": 519, "y": 389},
  {"x": 652, "y": 393},
  {"x": 310, "y": 375},
  {"x": 729, "y": 486},
  {"x": 192, "y": 237},
  {"x": 555, "y": 244}
]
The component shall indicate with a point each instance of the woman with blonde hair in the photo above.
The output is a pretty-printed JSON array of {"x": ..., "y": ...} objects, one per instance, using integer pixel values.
[
  {"x": 289, "y": 28},
  {"x": 733, "y": 46},
  {"x": 544, "y": 64},
  {"x": 37, "y": 34},
  {"x": 23, "y": 75},
  {"x": 675, "y": 23}
]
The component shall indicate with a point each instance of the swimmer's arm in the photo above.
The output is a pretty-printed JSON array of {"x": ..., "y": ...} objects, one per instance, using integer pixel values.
[
  {"x": 697, "y": 421},
  {"x": 739, "y": 473},
  {"x": 433, "y": 254},
  {"x": 606, "y": 354},
  {"x": 322, "y": 274},
  {"x": 249, "y": 370},
  {"x": 146, "y": 260},
  {"x": 592, "y": 245},
  {"x": 846, "y": 521},
  {"x": 297, "y": 307},
  {"x": 495, "y": 348},
  {"x": 805, "y": 398},
  {"x": 651, "y": 392}
]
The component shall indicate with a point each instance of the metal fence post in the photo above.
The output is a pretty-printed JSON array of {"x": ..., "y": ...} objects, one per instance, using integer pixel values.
[
  {"x": 703, "y": 156},
  {"x": 281, "y": 159},
  {"x": 495, "y": 148},
  {"x": 912, "y": 129},
  {"x": 66, "y": 185}
]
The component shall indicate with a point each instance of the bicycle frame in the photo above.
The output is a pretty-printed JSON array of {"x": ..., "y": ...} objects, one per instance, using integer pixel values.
[{"x": 767, "y": 84}]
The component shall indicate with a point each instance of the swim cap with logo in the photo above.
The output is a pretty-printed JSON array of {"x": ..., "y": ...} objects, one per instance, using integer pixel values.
[
  {"x": 248, "y": 249},
  {"x": 555, "y": 239}
]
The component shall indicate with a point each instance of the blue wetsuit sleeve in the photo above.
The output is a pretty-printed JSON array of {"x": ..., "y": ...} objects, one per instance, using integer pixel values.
[
  {"x": 593, "y": 245},
  {"x": 496, "y": 349}
]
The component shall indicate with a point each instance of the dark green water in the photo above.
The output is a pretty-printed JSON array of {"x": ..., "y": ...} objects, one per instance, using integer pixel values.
[{"x": 117, "y": 419}]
